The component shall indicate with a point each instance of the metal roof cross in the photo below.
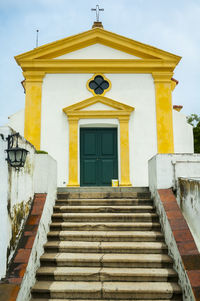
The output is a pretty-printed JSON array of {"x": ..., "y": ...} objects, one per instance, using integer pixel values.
[{"x": 97, "y": 9}]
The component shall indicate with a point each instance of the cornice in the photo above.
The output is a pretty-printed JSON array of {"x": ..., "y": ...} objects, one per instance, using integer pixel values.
[
  {"x": 96, "y": 66},
  {"x": 93, "y": 36}
]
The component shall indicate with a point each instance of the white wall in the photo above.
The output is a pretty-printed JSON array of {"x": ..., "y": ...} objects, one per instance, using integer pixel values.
[
  {"x": 17, "y": 190},
  {"x": 137, "y": 90},
  {"x": 188, "y": 198},
  {"x": 45, "y": 181},
  {"x": 97, "y": 51},
  {"x": 4, "y": 219},
  {"x": 165, "y": 169},
  {"x": 183, "y": 134},
  {"x": 16, "y": 195},
  {"x": 16, "y": 122}
]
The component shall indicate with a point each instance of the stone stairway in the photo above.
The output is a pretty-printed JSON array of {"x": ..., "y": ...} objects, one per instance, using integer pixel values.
[{"x": 105, "y": 246}]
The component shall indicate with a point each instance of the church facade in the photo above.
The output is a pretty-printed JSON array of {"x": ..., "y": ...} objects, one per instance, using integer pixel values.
[{"x": 101, "y": 105}]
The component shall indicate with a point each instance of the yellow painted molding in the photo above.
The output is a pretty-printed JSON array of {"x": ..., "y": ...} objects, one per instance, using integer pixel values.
[
  {"x": 164, "y": 117},
  {"x": 122, "y": 112},
  {"x": 164, "y": 77},
  {"x": 73, "y": 153},
  {"x": 34, "y": 76},
  {"x": 91, "y": 37},
  {"x": 98, "y": 66},
  {"x": 93, "y": 100},
  {"x": 92, "y": 78},
  {"x": 124, "y": 152},
  {"x": 173, "y": 85},
  {"x": 32, "y": 122}
]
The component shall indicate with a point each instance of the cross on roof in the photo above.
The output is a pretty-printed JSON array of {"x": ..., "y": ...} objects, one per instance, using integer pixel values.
[{"x": 97, "y": 9}]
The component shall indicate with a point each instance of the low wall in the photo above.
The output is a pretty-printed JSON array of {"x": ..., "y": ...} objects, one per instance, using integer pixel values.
[
  {"x": 45, "y": 181},
  {"x": 165, "y": 169},
  {"x": 188, "y": 197},
  {"x": 16, "y": 196},
  {"x": 17, "y": 189},
  {"x": 164, "y": 173}
]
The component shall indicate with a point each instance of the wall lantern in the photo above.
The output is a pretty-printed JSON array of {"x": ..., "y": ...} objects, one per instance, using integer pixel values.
[{"x": 16, "y": 156}]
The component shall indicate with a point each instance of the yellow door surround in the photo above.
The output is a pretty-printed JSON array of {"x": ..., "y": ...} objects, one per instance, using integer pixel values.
[{"x": 122, "y": 113}]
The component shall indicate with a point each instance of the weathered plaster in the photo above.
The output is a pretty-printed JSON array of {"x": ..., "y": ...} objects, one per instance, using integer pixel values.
[
  {"x": 45, "y": 181},
  {"x": 188, "y": 197},
  {"x": 173, "y": 250}
]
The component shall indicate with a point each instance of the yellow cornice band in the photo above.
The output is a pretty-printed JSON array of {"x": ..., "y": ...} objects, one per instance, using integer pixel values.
[{"x": 91, "y": 37}]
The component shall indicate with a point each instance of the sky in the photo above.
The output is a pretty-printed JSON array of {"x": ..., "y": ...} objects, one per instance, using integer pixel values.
[{"x": 170, "y": 25}]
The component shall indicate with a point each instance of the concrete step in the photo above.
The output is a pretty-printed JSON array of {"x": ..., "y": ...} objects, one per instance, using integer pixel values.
[
  {"x": 102, "y": 290},
  {"x": 102, "y": 189},
  {"x": 119, "y": 236},
  {"x": 104, "y": 209},
  {"x": 101, "y": 217},
  {"x": 106, "y": 247},
  {"x": 105, "y": 274},
  {"x": 103, "y": 226},
  {"x": 106, "y": 260},
  {"x": 104, "y": 195},
  {"x": 44, "y": 299},
  {"x": 103, "y": 202}
]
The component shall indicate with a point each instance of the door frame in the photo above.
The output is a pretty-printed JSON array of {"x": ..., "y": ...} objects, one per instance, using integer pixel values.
[{"x": 96, "y": 127}]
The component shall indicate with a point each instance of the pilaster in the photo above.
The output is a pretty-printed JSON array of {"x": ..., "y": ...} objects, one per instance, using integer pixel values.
[
  {"x": 124, "y": 151},
  {"x": 164, "y": 118},
  {"x": 73, "y": 151},
  {"x": 32, "y": 123}
]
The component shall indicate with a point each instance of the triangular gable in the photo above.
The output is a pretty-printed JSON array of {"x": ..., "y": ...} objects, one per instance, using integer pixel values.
[
  {"x": 77, "y": 107},
  {"x": 91, "y": 37}
]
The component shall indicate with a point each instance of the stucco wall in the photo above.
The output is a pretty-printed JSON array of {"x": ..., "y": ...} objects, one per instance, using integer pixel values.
[
  {"x": 45, "y": 181},
  {"x": 137, "y": 90},
  {"x": 183, "y": 134},
  {"x": 97, "y": 51},
  {"x": 16, "y": 196},
  {"x": 16, "y": 122},
  {"x": 165, "y": 169},
  {"x": 188, "y": 198},
  {"x": 16, "y": 193}
]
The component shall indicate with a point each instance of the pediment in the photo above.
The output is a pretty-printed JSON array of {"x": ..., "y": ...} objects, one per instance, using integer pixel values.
[
  {"x": 98, "y": 106},
  {"x": 86, "y": 108},
  {"x": 96, "y": 36}
]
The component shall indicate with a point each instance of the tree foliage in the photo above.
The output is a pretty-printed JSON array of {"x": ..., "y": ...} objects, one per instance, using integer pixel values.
[{"x": 194, "y": 120}]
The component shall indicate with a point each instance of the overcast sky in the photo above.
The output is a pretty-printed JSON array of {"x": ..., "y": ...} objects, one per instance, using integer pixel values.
[{"x": 170, "y": 25}]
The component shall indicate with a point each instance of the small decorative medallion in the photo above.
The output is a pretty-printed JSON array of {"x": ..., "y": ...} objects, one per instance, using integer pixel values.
[{"x": 98, "y": 84}]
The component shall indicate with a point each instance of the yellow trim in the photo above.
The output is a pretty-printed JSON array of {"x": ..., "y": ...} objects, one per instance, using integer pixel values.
[
  {"x": 73, "y": 152},
  {"x": 74, "y": 113},
  {"x": 92, "y": 78},
  {"x": 98, "y": 66},
  {"x": 93, "y": 100},
  {"x": 124, "y": 151},
  {"x": 164, "y": 118},
  {"x": 173, "y": 85},
  {"x": 32, "y": 124},
  {"x": 91, "y": 37}
]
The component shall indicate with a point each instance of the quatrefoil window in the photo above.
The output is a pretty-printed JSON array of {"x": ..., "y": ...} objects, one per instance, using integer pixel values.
[{"x": 99, "y": 85}]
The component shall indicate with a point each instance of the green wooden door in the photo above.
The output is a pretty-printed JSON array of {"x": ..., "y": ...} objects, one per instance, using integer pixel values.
[{"x": 98, "y": 156}]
